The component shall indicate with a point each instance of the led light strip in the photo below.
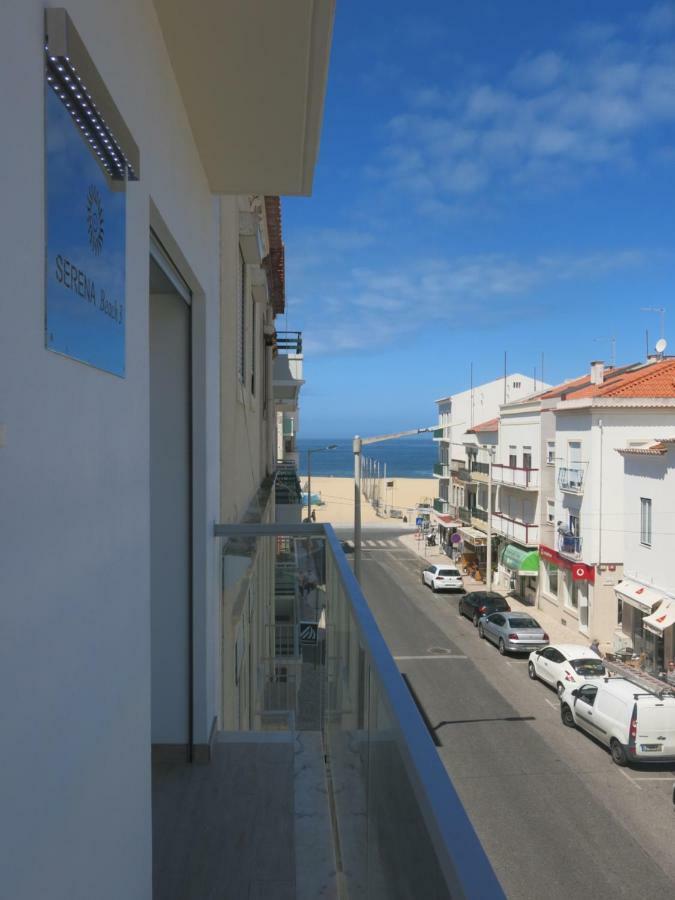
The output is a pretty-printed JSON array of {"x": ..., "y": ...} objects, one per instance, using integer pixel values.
[{"x": 67, "y": 84}]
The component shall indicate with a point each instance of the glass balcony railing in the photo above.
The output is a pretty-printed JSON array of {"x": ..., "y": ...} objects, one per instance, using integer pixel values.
[
  {"x": 438, "y": 432},
  {"x": 441, "y": 506},
  {"x": 569, "y": 544},
  {"x": 442, "y": 470},
  {"x": 307, "y": 656},
  {"x": 571, "y": 479}
]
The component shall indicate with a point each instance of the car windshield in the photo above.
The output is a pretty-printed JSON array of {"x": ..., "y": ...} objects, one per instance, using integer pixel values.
[
  {"x": 451, "y": 572},
  {"x": 523, "y": 622},
  {"x": 587, "y": 667}
]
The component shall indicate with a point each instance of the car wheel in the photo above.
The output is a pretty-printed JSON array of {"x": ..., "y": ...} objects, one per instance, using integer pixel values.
[
  {"x": 566, "y": 716},
  {"x": 476, "y": 617},
  {"x": 433, "y": 587},
  {"x": 618, "y": 752},
  {"x": 531, "y": 671},
  {"x": 502, "y": 647},
  {"x": 560, "y": 688},
  {"x": 460, "y": 608},
  {"x": 481, "y": 633}
]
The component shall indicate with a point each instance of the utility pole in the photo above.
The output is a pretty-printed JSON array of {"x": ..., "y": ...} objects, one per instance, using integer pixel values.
[{"x": 488, "y": 574}]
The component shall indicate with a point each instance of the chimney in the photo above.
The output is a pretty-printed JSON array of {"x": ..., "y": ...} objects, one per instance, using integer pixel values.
[{"x": 597, "y": 371}]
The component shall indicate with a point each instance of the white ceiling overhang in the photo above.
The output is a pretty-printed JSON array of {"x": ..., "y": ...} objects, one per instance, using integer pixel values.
[{"x": 252, "y": 74}]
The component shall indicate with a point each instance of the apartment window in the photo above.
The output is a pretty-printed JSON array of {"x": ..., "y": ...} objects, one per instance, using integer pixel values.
[
  {"x": 645, "y": 521},
  {"x": 550, "y": 453},
  {"x": 550, "y": 512},
  {"x": 513, "y": 456},
  {"x": 517, "y": 384},
  {"x": 241, "y": 322},
  {"x": 574, "y": 525},
  {"x": 551, "y": 571},
  {"x": 527, "y": 457}
]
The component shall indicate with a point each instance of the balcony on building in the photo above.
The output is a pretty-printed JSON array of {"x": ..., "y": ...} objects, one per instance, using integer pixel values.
[
  {"x": 462, "y": 472},
  {"x": 287, "y": 369},
  {"x": 569, "y": 544},
  {"x": 333, "y": 785},
  {"x": 439, "y": 434},
  {"x": 479, "y": 471},
  {"x": 525, "y": 533},
  {"x": 515, "y": 476},
  {"x": 442, "y": 470},
  {"x": 571, "y": 480},
  {"x": 287, "y": 493}
]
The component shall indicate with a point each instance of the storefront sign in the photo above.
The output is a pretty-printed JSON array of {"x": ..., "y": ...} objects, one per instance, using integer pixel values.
[
  {"x": 580, "y": 571},
  {"x": 85, "y": 253}
]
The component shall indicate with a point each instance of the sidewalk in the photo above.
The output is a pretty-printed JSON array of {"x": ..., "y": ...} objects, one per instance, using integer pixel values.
[{"x": 557, "y": 632}]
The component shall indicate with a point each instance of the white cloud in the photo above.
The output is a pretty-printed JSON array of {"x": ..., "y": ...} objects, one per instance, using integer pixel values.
[
  {"x": 369, "y": 309},
  {"x": 550, "y": 117}
]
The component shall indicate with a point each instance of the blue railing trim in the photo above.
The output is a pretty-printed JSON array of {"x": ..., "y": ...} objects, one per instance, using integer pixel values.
[{"x": 467, "y": 870}]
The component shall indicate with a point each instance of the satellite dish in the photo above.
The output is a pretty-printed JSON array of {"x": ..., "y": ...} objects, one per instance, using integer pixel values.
[{"x": 661, "y": 345}]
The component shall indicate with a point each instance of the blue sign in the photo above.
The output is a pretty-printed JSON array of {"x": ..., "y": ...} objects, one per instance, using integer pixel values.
[
  {"x": 418, "y": 520},
  {"x": 85, "y": 265}
]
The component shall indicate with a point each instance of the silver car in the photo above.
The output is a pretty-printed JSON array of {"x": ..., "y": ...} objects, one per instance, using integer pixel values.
[{"x": 513, "y": 632}]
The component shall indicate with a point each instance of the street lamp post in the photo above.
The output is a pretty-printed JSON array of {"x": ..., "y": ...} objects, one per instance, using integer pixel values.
[
  {"x": 309, "y": 474},
  {"x": 488, "y": 574},
  {"x": 357, "y": 447}
]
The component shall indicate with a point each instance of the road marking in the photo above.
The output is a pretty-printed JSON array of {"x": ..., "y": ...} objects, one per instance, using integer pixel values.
[
  {"x": 439, "y": 656},
  {"x": 551, "y": 703},
  {"x": 632, "y": 781},
  {"x": 655, "y": 778}
]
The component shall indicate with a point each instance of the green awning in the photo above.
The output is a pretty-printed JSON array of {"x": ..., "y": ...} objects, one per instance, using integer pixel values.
[{"x": 524, "y": 562}]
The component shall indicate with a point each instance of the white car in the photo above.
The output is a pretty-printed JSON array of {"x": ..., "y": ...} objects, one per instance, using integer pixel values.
[
  {"x": 442, "y": 578},
  {"x": 565, "y": 665}
]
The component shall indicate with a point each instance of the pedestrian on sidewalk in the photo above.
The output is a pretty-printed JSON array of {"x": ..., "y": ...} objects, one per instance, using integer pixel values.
[{"x": 595, "y": 646}]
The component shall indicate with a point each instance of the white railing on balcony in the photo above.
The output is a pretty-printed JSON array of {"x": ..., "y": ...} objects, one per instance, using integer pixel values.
[
  {"x": 523, "y": 532},
  {"x": 515, "y": 476}
]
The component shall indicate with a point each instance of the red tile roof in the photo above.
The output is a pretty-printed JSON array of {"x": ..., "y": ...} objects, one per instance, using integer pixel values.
[
  {"x": 490, "y": 425},
  {"x": 274, "y": 262},
  {"x": 574, "y": 387},
  {"x": 656, "y": 379}
]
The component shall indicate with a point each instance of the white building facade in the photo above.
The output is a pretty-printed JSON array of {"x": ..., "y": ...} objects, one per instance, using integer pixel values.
[
  {"x": 141, "y": 418},
  {"x": 646, "y": 593},
  {"x": 581, "y": 569}
]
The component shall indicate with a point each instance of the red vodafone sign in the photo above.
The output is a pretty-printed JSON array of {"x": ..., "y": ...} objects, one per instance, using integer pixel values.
[{"x": 580, "y": 571}]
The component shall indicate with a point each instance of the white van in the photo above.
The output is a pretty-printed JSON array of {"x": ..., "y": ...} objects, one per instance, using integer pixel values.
[{"x": 636, "y": 724}]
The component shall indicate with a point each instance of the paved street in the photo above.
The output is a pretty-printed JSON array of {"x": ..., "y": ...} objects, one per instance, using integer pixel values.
[{"x": 553, "y": 811}]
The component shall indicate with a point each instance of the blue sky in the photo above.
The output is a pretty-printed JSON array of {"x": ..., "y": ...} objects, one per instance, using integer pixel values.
[{"x": 492, "y": 176}]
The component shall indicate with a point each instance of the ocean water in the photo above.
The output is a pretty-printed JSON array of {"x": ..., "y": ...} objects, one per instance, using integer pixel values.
[{"x": 405, "y": 457}]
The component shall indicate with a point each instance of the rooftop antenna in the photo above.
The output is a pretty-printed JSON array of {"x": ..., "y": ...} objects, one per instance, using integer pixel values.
[
  {"x": 612, "y": 340},
  {"x": 660, "y": 348},
  {"x": 662, "y": 314}
]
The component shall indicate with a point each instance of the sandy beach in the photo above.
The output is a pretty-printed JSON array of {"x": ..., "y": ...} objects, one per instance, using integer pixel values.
[{"x": 337, "y": 495}]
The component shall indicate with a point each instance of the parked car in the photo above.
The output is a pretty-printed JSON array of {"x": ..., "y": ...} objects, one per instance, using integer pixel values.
[
  {"x": 482, "y": 603},
  {"x": 442, "y": 578},
  {"x": 512, "y": 632},
  {"x": 636, "y": 724},
  {"x": 563, "y": 664}
]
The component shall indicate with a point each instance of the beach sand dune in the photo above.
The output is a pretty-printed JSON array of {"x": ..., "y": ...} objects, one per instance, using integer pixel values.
[{"x": 337, "y": 495}]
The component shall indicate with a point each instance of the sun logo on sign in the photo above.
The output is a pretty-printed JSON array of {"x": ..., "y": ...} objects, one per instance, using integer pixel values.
[{"x": 94, "y": 220}]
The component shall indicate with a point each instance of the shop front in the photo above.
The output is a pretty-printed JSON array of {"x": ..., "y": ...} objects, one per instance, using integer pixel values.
[
  {"x": 519, "y": 570},
  {"x": 473, "y": 551},
  {"x": 447, "y": 527},
  {"x": 648, "y": 620},
  {"x": 571, "y": 581}
]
